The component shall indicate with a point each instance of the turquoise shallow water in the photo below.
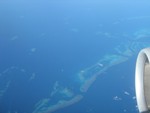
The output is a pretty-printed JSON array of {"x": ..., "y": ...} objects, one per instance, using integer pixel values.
[{"x": 70, "y": 56}]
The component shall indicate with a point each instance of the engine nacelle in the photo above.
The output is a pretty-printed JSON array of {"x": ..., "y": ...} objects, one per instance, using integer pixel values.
[{"x": 142, "y": 80}]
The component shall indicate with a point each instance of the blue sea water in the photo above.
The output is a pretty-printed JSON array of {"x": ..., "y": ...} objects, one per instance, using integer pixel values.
[{"x": 71, "y": 56}]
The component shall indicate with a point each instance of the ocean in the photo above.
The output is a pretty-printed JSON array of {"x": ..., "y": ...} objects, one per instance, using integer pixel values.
[{"x": 71, "y": 56}]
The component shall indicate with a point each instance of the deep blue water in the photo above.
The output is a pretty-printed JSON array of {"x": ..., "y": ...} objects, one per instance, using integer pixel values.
[{"x": 45, "y": 42}]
